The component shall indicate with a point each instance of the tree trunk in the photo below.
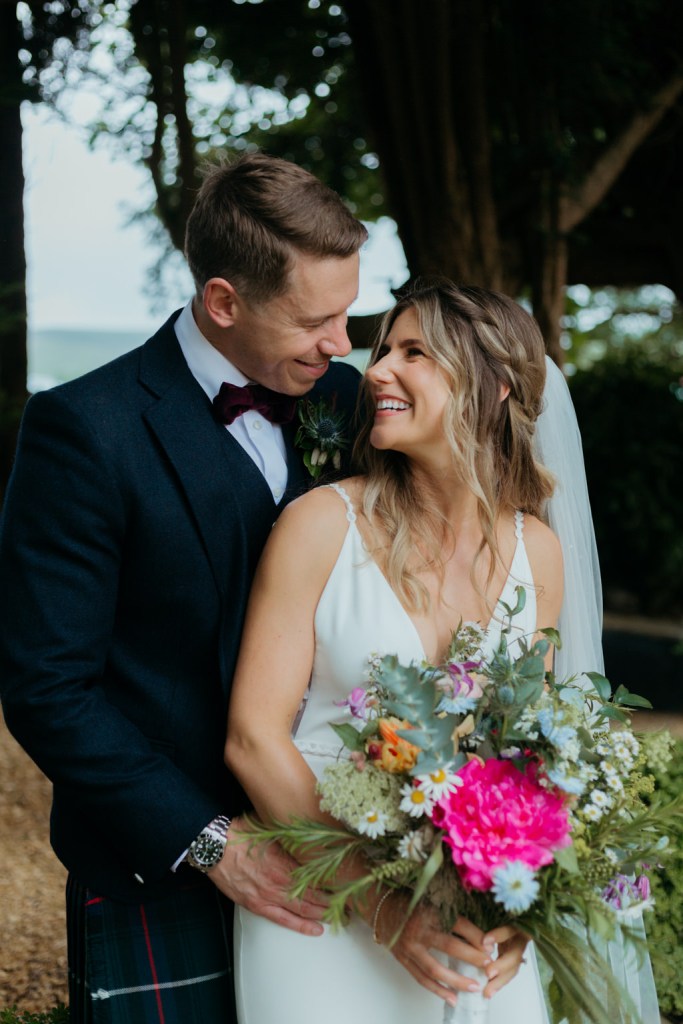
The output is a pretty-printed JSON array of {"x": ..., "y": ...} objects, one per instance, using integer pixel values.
[
  {"x": 13, "y": 362},
  {"x": 159, "y": 28},
  {"x": 407, "y": 67}
]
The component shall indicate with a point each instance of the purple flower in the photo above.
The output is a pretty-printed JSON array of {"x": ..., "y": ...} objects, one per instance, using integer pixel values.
[
  {"x": 463, "y": 683},
  {"x": 643, "y": 887},
  {"x": 356, "y": 702},
  {"x": 628, "y": 897}
]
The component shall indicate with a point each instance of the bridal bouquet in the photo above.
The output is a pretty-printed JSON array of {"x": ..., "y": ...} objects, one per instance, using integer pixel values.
[{"x": 493, "y": 790}]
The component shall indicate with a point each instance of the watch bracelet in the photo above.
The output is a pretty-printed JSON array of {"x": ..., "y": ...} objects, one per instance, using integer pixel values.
[{"x": 214, "y": 834}]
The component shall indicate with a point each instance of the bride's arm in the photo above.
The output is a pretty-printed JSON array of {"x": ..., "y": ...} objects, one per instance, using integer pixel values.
[
  {"x": 276, "y": 656},
  {"x": 545, "y": 559}
]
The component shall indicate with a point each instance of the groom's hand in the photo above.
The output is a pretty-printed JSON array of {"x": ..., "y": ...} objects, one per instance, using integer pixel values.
[{"x": 259, "y": 877}]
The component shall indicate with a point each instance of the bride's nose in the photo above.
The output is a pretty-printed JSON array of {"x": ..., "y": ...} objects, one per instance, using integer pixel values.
[{"x": 380, "y": 371}]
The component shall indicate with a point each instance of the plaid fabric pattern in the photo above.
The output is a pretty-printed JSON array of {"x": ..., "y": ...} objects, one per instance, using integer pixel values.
[{"x": 168, "y": 961}]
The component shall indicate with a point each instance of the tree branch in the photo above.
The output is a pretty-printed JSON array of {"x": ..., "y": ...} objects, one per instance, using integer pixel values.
[{"x": 575, "y": 207}]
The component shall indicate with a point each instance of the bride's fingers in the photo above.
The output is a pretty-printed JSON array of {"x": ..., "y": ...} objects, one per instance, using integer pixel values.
[
  {"x": 434, "y": 975},
  {"x": 470, "y": 933},
  {"x": 497, "y": 936},
  {"x": 460, "y": 949},
  {"x": 431, "y": 984},
  {"x": 505, "y": 967}
]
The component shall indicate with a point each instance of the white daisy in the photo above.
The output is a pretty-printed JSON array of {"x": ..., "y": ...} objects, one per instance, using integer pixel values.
[
  {"x": 372, "y": 823},
  {"x": 417, "y": 846},
  {"x": 592, "y": 813},
  {"x": 415, "y": 801},
  {"x": 439, "y": 783}
]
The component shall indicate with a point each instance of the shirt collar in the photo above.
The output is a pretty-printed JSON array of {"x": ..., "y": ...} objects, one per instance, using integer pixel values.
[{"x": 207, "y": 365}]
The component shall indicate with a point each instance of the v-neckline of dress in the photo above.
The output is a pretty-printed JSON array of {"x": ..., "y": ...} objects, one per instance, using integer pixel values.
[{"x": 406, "y": 614}]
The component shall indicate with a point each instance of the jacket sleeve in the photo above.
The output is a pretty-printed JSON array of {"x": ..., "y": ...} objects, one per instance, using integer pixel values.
[{"x": 61, "y": 541}]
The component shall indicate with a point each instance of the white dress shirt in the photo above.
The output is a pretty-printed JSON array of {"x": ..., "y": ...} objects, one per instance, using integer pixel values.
[{"x": 262, "y": 441}]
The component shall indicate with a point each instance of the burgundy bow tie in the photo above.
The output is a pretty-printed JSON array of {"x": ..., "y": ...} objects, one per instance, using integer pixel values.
[{"x": 233, "y": 400}]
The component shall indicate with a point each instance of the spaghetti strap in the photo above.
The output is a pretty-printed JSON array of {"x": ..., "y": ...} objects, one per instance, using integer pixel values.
[
  {"x": 519, "y": 524},
  {"x": 350, "y": 511}
]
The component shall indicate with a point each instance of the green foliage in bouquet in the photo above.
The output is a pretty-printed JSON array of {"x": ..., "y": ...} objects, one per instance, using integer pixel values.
[{"x": 489, "y": 788}]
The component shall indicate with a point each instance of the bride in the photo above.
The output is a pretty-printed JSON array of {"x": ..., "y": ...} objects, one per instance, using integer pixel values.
[{"x": 445, "y": 520}]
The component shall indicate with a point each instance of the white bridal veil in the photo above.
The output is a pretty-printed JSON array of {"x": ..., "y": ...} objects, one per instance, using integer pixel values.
[{"x": 558, "y": 446}]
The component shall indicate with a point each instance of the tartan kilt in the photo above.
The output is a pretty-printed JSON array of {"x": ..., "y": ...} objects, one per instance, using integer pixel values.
[{"x": 167, "y": 961}]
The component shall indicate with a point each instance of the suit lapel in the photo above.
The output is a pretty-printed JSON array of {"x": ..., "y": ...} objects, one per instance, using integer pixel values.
[
  {"x": 224, "y": 488},
  {"x": 298, "y": 477}
]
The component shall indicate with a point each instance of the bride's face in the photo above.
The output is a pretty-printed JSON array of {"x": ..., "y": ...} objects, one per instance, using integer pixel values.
[{"x": 410, "y": 392}]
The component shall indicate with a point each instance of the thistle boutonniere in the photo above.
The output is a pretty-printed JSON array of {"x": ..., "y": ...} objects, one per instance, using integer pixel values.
[{"x": 320, "y": 436}]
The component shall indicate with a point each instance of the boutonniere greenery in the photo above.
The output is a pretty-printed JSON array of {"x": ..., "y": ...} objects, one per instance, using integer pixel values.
[{"x": 320, "y": 436}]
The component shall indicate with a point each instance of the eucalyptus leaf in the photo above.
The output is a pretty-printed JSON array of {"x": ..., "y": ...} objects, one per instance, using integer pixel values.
[
  {"x": 350, "y": 737},
  {"x": 626, "y": 698},
  {"x": 553, "y": 636},
  {"x": 615, "y": 714},
  {"x": 532, "y": 668},
  {"x": 567, "y": 859},
  {"x": 521, "y": 602},
  {"x": 601, "y": 684}
]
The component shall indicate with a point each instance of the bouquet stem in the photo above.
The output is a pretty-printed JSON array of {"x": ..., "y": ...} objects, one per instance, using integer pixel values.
[{"x": 471, "y": 1007}]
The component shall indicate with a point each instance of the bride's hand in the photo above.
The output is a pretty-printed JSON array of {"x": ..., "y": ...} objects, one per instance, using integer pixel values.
[
  {"x": 421, "y": 936},
  {"x": 511, "y": 946}
]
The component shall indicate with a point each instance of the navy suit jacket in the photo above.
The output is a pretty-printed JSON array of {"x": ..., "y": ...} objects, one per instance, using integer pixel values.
[{"x": 131, "y": 530}]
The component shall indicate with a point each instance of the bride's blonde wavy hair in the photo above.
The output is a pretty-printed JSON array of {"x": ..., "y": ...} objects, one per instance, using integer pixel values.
[{"x": 481, "y": 340}]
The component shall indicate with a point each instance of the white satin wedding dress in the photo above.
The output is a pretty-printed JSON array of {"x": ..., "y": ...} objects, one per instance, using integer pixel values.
[{"x": 285, "y": 978}]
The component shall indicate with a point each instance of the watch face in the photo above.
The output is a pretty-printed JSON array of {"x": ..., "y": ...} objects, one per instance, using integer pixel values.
[{"x": 207, "y": 850}]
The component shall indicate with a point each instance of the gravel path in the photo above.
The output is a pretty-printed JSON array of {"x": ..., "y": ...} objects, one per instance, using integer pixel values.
[{"x": 32, "y": 931}]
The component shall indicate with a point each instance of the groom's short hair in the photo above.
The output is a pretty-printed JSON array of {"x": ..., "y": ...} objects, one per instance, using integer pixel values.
[{"x": 252, "y": 216}]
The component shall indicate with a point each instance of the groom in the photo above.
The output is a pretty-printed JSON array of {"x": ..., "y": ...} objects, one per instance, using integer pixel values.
[{"x": 141, "y": 498}]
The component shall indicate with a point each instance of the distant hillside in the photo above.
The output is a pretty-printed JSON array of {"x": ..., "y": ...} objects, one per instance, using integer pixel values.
[{"x": 55, "y": 356}]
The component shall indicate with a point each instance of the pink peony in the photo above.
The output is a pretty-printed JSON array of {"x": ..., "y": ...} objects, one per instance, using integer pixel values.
[{"x": 500, "y": 814}]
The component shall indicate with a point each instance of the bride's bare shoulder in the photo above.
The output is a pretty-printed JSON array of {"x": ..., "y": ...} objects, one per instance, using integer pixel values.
[
  {"x": 328, "y": 501},
  {"x": 541, "y": 543},
  {"x": 317, "y": 521}
]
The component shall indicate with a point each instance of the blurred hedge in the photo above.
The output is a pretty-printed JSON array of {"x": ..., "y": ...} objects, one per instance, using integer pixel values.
[
  {"x": 665, "y": 924},
  {"x": 58, "y": 1015},
  {"x": 630, "y": 410}
]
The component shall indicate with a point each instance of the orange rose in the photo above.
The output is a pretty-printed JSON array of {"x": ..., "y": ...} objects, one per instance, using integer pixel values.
[{"x": 392, "y": 753}]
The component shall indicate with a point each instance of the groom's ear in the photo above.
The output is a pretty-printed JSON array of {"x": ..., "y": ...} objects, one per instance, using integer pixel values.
[{"x": 220, "y": 301}]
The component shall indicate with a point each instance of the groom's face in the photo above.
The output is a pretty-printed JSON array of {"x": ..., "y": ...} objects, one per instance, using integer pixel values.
[{"x": 287, "y": 343}]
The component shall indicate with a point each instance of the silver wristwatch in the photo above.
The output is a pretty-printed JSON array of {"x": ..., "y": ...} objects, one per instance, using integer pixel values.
[{"x": 208, "y": 848}]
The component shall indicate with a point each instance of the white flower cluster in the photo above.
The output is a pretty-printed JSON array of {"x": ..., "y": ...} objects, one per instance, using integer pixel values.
[
  {"x": 618, "y": 752},
  {"x": 367, "y": 801},
  {"x": 467, "y": 642},
  {"x": 558, "y": 722}
]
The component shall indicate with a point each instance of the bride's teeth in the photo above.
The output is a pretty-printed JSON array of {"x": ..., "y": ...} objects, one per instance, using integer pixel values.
[{"x": 386, "y": 403}]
